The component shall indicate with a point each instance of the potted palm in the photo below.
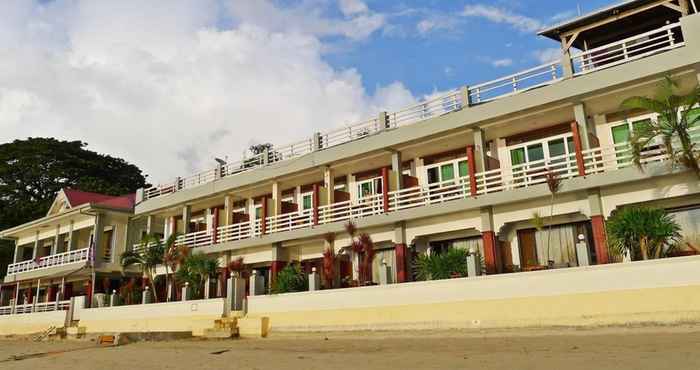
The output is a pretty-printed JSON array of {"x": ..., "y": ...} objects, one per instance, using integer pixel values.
[
  {"x": 642, "y": 232},
  {"x": 147, "y": 258},
  {"x": 195, "y": 270}
]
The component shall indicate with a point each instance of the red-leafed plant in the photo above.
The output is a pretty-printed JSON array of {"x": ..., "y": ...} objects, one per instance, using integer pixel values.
[
  {"x": 329, "y": 261},
  {"x": 237, "y": 267},
  {"x": 363, "y": 247}
]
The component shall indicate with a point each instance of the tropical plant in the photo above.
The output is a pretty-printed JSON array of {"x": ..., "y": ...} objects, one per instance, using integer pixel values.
[
  {"x": 148, "y": 257},
  {"x": 290, "y": 279},
  {"x": 195, "y": 269},
  {"x": 553, "y": 184},
  {"x": 672, "y": 125},
  {"x": 642, "y": 231},
  {"x": 173, "y": 256},
  {"x": 452, "y": 263},
  {"x": 363, "y": 247},
  {"x": 237, "y": 267},
  {"x": 329, "y": 261}
]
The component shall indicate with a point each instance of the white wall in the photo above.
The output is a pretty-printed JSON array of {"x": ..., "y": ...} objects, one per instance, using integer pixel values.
[
  {"x": 673, "y": 272},
  {"x": 31, "y": 323},
  {"x": 185, "y": 316}
]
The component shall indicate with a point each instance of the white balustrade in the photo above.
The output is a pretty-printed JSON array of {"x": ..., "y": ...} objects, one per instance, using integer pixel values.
[
  {"x": 38, "y": 307},
  {"x": 54, "y": 260},
  {"x": 632, "y": 48}
]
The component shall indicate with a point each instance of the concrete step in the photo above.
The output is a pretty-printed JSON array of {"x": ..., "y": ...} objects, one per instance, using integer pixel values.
[
  {"x": 220, "y": 333},
  {"x": 253, "y": 327},
  {"x": 226, "y": 323}
]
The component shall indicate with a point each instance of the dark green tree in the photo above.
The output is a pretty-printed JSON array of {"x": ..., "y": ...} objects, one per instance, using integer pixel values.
[{"x": 32, "y": 171}]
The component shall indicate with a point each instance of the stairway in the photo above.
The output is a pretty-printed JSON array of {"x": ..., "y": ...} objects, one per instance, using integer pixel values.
[{"x": 224, "y": 328}]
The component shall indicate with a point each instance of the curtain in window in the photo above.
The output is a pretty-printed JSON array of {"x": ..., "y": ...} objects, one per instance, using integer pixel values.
[
  {"x": 562, "y": 242},
  {"x": 689, "y": 221},
  {"x": 467, "y": 244},
  {"x": 388, "y": 255}
]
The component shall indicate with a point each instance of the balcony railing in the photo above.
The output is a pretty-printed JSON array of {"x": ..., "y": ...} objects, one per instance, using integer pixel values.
[
  {"x": 54, "y": 260},
  {"x": 624, "y": 51},
  {"x": 592, "y": 161}
]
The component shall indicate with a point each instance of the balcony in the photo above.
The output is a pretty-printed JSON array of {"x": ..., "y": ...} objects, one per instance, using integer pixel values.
[
  {"x": 596, "y": 160},
  {"x": 606, "y": 56},
  {"x": 55, "y": 260}
]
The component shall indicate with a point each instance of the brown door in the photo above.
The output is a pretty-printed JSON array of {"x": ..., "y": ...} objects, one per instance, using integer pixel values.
[{"x": 528, "y": 247}]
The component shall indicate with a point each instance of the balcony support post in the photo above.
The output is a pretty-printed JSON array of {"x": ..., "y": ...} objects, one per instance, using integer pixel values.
[
  {"x": 490, "y": 243},
  {"x": 471, "y": 166},
  {"x": 72, "y": 237},
  {"x": 584, "y": 126},
  {"x": 315, "y": 201},
  {"x": 329, "y": 184},
  {"x": 402, "y": 253},
  {"x": 397, "y": 168},
  {"x": 263, "y": 216},
  {"x": 16, "y": 257},
  {"x": 97, "y": 233},
  {"x": 578, "y": 147},
  {"x": 186, "y": 218},
  {"x": 214, "y": 225},
  {"x": 228, "y": 210},
  {"x": 598, "y": 225},
  {"x": 385, "y": 189},
  {"x": 35, "y": 251},
  {"x": 276, "y": 199}
]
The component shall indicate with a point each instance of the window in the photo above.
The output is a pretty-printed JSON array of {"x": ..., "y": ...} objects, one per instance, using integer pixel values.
[
  {"x": 258, "y": 211},
  {"x": 557, "y": 149},
  {"x": 622, "y": 133},
  {"x": 369, "y": 187},
  {"x": 446, "y": 171},
  {"x": 307, "y": 201}
]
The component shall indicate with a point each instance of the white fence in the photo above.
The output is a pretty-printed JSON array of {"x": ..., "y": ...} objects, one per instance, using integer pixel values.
[
  {"x": 53, "y": 260},
  {"x": 39, "y": 307}
]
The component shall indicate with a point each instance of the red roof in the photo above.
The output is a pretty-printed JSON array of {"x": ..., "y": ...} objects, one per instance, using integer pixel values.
[{"x": 77, "y": 198}]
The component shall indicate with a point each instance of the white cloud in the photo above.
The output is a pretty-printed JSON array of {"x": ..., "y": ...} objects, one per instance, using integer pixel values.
[
  {"x": 171, "y": 90},
  {"x": 498, "y": 63},
  {"x": 547, "y": 55},
  {"x": 497, "y": 15},
  {"x": 562, "y": 16},
  {"x": 352, "y": 7},
  {"x": 307, "y": 18}
]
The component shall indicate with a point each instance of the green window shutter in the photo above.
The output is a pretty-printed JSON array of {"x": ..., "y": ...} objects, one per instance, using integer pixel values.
[
  {"x": 517, "y": 156},
  {"x": 258, "y": 213},
  {"x": 447, "y": 172},
  {"x": 463, "y": 168},
  {"x": 535, "y": 153},
  {"x": 620, "y": 134},
  {"x": 307, "y": 201},
  {"x": 556, "y": 148}
]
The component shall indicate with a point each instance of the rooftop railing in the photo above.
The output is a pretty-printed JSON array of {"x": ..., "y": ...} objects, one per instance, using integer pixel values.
[{"x": 623, "y": 51}]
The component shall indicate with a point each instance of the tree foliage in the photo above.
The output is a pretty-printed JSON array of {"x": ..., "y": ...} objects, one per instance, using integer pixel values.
[
  {"x": 646, "y": 232},
  {"x": 195, "y": 269},
  {"x": 147, "y": 258},
  {"x": 32, "y": 171},
  {"x": 452, "y": 263},
  {"x": 291, "y": 279},
  {"x": 672, "y": 126}
]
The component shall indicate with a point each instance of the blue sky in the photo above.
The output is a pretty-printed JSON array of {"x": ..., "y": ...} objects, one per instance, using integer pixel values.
[
  {"x": 171, "y": 84},
  {"x": 459, "y": 49}
]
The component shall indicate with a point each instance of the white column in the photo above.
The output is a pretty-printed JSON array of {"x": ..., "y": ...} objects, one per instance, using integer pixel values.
[
  {"x": 186, "y": 217},
  {"x": 16, "y": 257},
  {"x": 276, "y": 199},
  {"x": 56, "y": 240},
  {"x": 36, "y": 246},
  {"x": 580, "y": 116},
  {"x": 72, "y": 237},
  {"x": 397, "y": 168},
  {"x": 480, "y": 149},
  {"x": 329, "y": 184},
  {"x": 228, "y": 210}
]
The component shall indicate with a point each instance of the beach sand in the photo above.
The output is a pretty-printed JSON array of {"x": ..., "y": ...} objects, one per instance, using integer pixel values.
[{"x": 652, "y": 347}]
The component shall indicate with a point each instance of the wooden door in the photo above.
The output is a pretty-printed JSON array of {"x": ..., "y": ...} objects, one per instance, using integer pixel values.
[{"x": 528, "y": 248}]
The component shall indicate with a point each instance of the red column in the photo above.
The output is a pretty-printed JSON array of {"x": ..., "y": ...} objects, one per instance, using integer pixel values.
[
  {"x": 275, "y": 269},
  {"x": 491, "y": 255},
  {"x": 51, "y": 293},
  {"x": 578, "y": 146},
  {"x": 600, "y": 239},
  {"x": 263, "y": 222},
  {"x": 215, "y": 226},
  {"x": 385, "y": 188},
  {"x": 88, "y": 292},
  {"x": 471, "y": 164},
  {"x": 315, "y": 202},
  {"x": 401, "y": 268}
]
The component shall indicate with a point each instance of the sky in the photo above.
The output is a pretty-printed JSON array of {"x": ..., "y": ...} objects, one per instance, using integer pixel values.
[{"x": 170, "y": 85}]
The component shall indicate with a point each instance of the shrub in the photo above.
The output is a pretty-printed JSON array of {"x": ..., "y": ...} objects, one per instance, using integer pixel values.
[
  {"x": 447, "y": 265},
  {"x": 290, "y": 279},
  {"x": 647, "y": 232}
]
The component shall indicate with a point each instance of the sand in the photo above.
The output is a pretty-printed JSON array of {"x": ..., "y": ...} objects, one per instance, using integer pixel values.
[{"x": 676, "y": 348}]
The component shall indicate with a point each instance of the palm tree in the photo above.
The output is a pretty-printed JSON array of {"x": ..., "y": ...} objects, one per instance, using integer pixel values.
[
  {"x": 173, "y": 256},
  {"x": 649, "y": 232},
  {"x": 553, "y": 184},
  {"x": 672, "y": 125},
  {"x": 148, "y": 257},
  {"x": 195, "y": 269}
]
